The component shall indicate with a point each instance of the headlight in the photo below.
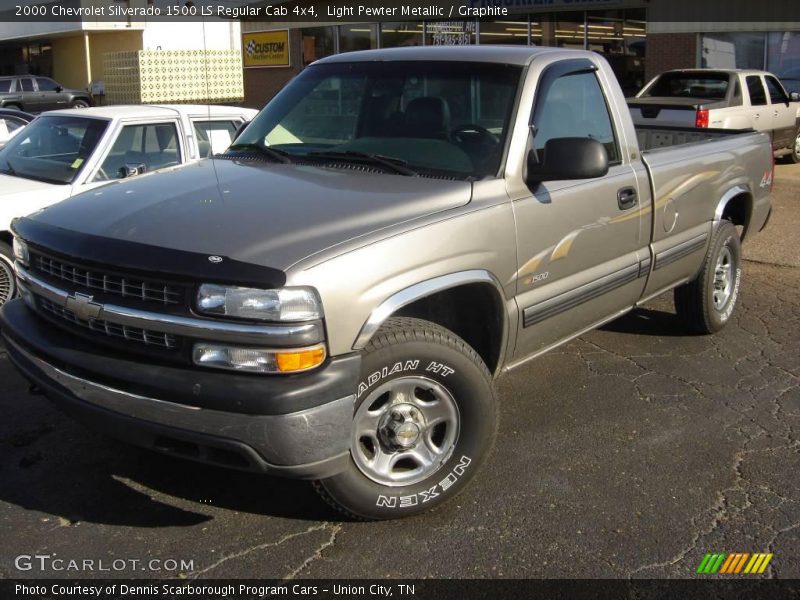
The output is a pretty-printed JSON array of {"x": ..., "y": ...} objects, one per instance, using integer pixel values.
[
  {"x": 21, "y": 251},
  {"x": 285, "y": 304},
  {"x": 258, "y": 360}
]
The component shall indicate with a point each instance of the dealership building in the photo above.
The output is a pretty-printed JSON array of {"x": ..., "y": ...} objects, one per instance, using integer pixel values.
[{"x": 639, "y": 38}]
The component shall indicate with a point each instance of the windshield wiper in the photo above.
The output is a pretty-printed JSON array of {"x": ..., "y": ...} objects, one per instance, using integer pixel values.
[
  {"x": 397, "y": 165},
  {"x": 280, "y": 156}
]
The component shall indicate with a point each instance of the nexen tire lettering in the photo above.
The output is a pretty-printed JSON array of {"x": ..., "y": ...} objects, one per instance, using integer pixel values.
[{"x": 425, "y": 495}]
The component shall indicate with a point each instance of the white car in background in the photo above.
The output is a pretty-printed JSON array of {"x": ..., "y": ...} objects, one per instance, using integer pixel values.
[
  {"x": 722, "y": 99},
  {"x": 65, "y": 152}
]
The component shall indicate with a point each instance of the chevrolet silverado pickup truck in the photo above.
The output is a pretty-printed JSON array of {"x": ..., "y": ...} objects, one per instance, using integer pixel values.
[
  {"x": 333, "y": 296},
  {"x": 722, "y": 99},
  {"x": 70, "y": 151}
]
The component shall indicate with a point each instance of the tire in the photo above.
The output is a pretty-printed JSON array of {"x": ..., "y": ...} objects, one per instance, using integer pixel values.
[
  {"x": 707, "y": 303},
  {"x": 402, "y": 462},
  {"x": 8, "y": 283},
  {"x": 794, "y": 157},
  {"x": 13, "y": 106},
  {"x": 80, "y": 104}
]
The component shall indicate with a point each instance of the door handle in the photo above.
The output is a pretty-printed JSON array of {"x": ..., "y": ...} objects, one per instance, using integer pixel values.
[{"x": 626, "y": 198}]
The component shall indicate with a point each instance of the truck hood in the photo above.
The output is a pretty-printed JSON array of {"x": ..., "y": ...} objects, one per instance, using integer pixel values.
[
  {"x": 256, "y": 212},
  {"x": 20, "y": 196}
]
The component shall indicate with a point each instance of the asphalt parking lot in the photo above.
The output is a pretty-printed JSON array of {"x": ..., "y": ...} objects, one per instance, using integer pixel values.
[{"x": 630, "y": 452}]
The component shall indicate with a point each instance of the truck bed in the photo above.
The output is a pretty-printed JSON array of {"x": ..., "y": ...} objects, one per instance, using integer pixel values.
[{"x": 654, "y": 137}]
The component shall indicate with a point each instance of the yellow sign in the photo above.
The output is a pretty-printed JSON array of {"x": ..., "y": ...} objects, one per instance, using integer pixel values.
[{"x": 266, "y": 48}]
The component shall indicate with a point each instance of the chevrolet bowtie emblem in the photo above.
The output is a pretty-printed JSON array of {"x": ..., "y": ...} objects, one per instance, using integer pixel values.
[{"x": 82, "y": 307}]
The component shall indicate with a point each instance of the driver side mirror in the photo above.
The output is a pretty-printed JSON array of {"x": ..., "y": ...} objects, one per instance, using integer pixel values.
[
  {"x": 59, "y": 88},
  {"x": 566, "y": 158}
]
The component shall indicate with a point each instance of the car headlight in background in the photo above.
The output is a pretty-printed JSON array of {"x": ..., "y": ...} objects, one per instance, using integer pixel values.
[
  {"x": 258, "y": 360},
  {"x": 21, "y": 251},
  {"x": 284, "y": 304}
]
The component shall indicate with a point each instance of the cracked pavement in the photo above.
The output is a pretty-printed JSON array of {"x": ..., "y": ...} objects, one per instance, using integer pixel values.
[{"x": 630, "y": 452}]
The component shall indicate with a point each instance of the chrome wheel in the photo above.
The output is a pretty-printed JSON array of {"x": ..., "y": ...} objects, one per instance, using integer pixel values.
[
  {"x": 404, "y": 431},
  {"x": 8, "y": 285},
  {"x": 797, "y": 147},
  {"x": 723, "y": 279}
]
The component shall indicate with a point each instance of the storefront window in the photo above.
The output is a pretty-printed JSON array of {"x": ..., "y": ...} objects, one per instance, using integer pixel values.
[
  {"x": 401, "y": 34},
  {"x": 783, "y": 58},
  {"x": 504, "y": 32},
  {"x": 620, "y": 36},
  {"x": 450, "y": 33},
  {"x": 358, "y": 37},
  {"x": 732, "y": 50},
  {"x": 318, "y": 42},
  {"x": 563, "y": 30}
]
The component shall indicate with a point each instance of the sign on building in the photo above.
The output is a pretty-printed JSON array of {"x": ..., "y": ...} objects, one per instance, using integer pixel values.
[{"x": 266, "y": 48}]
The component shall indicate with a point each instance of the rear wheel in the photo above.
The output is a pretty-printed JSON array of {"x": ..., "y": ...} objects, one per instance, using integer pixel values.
[
  {"x": 8, "y": 283},
  {"x": 424, "y": 420},
  {"x": 706, "y": 304}
]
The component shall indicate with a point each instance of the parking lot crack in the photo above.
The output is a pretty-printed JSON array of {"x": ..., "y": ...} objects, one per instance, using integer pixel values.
[
  {"x": 317, "y": 553},
  {"x": 256, "y": 548}
]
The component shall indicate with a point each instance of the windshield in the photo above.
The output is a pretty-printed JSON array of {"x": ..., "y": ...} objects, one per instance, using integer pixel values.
[
  {"x": 713, "y": 86},
  {"x": 438, "y": 118},
  {"x": 52, "y": 148}
]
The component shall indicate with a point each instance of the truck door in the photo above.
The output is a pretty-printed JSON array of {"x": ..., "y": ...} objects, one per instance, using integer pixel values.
[
  {"x": 581, "y": 245},
  {"x": 784, "y": 120},
  {"x": 762, "y": 119}
]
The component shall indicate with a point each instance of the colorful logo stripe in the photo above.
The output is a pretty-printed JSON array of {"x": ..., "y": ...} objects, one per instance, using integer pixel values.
[{"x": 734, "y": 563}]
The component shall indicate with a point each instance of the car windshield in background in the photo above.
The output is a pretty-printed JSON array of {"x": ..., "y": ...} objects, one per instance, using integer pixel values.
[
  {"x": 712, "y": 86},
  {"x": 432, "y": 118},
  {"x": 52, "y": 148}
]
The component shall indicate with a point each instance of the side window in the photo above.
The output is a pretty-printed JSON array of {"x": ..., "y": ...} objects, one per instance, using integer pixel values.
[
  {"x": 5, "y": 85},
  {"x": 145, "y": 147},
  {"x": 574, "y": 106},
  {"x": 776, "y": 93},
  {"x": 758, "y": 97},
  {"x": 25, "y": 84},
  {"x": 214, "y": 137},
  {"x": 46, "y": 85}
]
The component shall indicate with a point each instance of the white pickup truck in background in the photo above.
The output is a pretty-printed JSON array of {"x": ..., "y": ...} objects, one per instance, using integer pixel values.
[
  {"x": 722, "y": 99},
  {"x": 65, "y": 152}
]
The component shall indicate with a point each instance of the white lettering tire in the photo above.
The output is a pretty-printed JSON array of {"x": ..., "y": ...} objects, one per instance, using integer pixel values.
[{"x": 425, "y": 418}]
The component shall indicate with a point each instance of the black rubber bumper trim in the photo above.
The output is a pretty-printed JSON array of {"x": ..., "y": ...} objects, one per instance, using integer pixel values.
[
  {"x": 199, "y": 447},
  {"x": 192, "y": 386}
]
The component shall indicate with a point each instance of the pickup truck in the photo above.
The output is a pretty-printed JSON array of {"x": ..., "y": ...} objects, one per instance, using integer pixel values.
[
  {"x": 722, "y": 99},
  {"x": 333, "y": 297},
  {"x": 65, "y": 152}
]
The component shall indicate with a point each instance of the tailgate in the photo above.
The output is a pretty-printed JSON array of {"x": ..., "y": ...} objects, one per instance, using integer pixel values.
[{"x": 668, "y": 112}]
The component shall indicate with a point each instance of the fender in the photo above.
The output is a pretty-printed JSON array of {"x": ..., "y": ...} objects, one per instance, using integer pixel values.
[
  {"x": 732, "y": 193},
  {"x": 426, "y": 288}
]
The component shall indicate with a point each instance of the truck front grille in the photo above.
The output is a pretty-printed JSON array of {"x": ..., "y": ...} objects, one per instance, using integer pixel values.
[
  {"x": 109, "y": 283},
  {"x": 133, "y": 334}
]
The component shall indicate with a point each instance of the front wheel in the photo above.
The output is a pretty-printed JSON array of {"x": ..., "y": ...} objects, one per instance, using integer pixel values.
[
  {"x": 8, "y": 282},
  {"x": 80, "y": 104},
  {"x": 425, "y": 419},
  {"x": 706, "y": 304},
  {"x": 794, "y": 157}
]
